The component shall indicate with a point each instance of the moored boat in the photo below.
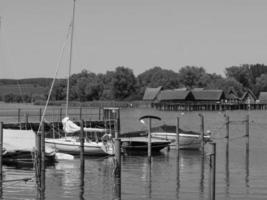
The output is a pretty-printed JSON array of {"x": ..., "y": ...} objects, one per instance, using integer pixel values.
[
  {"x": 140, "y": 144},
  {"x": 97, "y": 141},
  {"x": 188, "y": 140},
  {"x": 19, "y": 149}
]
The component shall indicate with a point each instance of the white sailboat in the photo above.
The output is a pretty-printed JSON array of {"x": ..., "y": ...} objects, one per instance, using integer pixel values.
[{"x": 94, "y": 144}]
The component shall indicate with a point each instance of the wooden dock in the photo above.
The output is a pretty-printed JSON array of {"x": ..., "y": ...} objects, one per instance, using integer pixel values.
[{"x": 206, "y": 106}]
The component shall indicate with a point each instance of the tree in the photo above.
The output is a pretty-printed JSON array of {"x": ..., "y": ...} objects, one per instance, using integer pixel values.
[
  {"x": 59, "y": 90},
  {"x": 240, "y": 73},
  {"x": 261, "y": 84},
  {"x": 226, "y": 84},
  {"x": 157, "y": 76},
  {"x": 191, "y": 76},
  {"x": 123, "y": 83}
]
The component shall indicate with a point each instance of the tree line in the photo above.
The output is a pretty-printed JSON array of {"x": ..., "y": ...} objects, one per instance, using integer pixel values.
[{"x": 122, "y": 84}]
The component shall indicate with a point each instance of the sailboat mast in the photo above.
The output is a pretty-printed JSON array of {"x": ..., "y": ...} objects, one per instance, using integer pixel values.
[{"x": 70, "y": 61}]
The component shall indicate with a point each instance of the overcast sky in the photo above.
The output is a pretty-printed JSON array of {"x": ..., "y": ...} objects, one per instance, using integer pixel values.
[{"x": 138, "y": 34}]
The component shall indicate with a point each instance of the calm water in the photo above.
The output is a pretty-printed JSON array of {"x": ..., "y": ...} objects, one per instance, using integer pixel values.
[{"x": 241, "y": 174}]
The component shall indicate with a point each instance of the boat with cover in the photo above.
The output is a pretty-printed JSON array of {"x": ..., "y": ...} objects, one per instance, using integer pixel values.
[
  {"x": 97, "y": 141},
  {"x": 19, "y": 149}
]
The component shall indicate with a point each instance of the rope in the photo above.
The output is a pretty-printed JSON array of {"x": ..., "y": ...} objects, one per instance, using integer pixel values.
[{"x": 53, "y": 82}]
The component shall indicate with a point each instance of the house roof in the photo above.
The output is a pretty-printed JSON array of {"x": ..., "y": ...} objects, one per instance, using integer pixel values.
[
  {"x": 151, "y": 93},
  {"x": 248, "y": 93},
  {"x": 176, "y": 94},
  {"x": 207, "y": 95},
  {"x": 231, "y": 94},
  {"x": 263, "y": 97}
]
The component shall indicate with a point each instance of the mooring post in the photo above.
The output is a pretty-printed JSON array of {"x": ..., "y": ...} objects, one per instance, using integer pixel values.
[
  {"x": 40, "y": 115},
  {"x": 99, "y": 113},
  {"x": 202, "y": 131},
  {"x": 117, "y": 151},
  {"x": 247, "y": 126},
  {"x": 1, "y": 161},
  {"x": 149, "y": 140},
  {"x": 26, "y": 120},
  {"x": 117, "y": 170},
  {"x": 42, "y": 159},
  {"x": 213, "y": 172},
  {"x": 80, "y": 112},
  {"x": 177, "y": 158},
  {"x": 177, "y": 135},
  {"x": 18, "y": 115},
  {"x": 82, "y": 160},
  {"x": 227, "y": 124},
  {"x": 60, "y": 114},
  {"x": 38, "y": 163},
  {"x": 81, "y": 147}
]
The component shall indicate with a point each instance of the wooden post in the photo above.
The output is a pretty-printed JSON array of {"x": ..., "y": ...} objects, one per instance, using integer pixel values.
[
  {"x": 1, "y": 161},
  {"x": 38, "y": 163},
  {"x": 247, "y": 126},
  {"x": 202, "y": 131},
  {"x": 227, "y": 123},
  {"x": 82, "y": 147},
  {"x": 26, "y": 120},
  {"x": 60, "y": 114},
  {"x": 177, "y": 134},
  {"x": 213, "y": 172},
  {"x": 40, "y": 114},
  {"x": 117, "y": 152},
  {"x": 177, "y": 158},
  {"x": 19, "y": 116},
  {"x": 149, "y": 139},
  {"x": 42, "y": 160},
  {"x": 99, "y": 113},
  {"x": 117, "y": 170},
  {"x": 80, "y": 113},
  {"x": 82, "y": 160}
]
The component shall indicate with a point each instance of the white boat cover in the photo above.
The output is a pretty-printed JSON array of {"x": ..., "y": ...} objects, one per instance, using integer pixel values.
[
  {"x": 14, "y": 140},
  {"x": 70, "y": 127}
]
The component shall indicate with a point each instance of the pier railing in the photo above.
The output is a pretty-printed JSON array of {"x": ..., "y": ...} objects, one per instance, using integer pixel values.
[{"x": 54, "y": 114}]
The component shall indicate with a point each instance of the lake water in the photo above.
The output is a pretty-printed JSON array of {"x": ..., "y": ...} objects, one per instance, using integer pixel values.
[{"x": 241, "y": 174}]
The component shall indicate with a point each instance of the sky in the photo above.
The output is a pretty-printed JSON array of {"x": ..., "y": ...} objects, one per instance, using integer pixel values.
[{"x": 138, "y": 34}]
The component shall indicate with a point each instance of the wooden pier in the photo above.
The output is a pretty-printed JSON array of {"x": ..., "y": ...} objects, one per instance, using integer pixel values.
[{"x": 206, "y": 106}]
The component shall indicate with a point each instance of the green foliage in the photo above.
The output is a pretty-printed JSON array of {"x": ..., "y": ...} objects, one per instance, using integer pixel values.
[
  {"x": 8, "y": 98},
  {"x": 261, "y": 84},
  {"x": 123, "y": 83},
  {"x": 191, "y": 76}
]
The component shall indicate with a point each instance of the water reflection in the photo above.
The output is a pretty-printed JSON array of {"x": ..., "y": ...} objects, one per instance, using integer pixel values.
[
  {"x": 149, "y": 163},
  {"x": 247, "y": 164},
  {"x": 202, "y": 175},
  {"x": 227, "y": 173},
  {"x": 177, "y": 174},
  {"x": 81, "y": 182}
]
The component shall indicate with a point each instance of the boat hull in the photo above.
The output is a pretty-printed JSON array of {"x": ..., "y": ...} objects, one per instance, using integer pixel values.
[
  {"x": 21, "y": 159},
  {"x": 140, "y": 144},
  {"x": 73, "y": 148},
  {"x": 186, "y": 141}
]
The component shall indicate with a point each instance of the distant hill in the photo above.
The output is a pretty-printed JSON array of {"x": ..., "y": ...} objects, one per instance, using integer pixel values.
[
  {"x": 44, "y": 82},
  {"x": 30, "y": 87}
]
